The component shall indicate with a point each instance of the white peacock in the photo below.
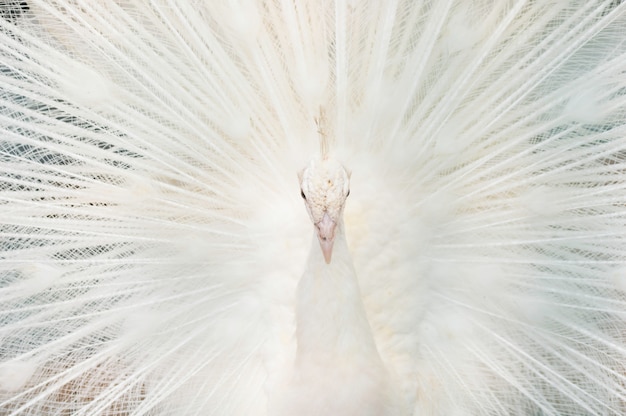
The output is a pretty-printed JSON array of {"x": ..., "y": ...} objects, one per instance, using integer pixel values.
[{"x": 155, "y": 258}]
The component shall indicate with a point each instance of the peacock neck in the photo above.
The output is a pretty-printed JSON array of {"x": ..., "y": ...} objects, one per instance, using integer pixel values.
[
  {"x": 337, "y": 371},
  {"x": 331, "y": 318}
]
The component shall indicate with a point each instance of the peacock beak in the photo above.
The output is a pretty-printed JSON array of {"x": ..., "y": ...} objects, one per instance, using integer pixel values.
[{"x": 326, "y": 235}]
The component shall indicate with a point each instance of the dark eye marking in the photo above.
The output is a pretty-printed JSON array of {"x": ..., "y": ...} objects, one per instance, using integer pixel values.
[
  {"x": 348, "y": 194},
  {"x": 302, "y": 194}
]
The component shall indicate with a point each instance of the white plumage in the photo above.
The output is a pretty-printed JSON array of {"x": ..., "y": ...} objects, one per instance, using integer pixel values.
[{"x": 156, "y": 259}]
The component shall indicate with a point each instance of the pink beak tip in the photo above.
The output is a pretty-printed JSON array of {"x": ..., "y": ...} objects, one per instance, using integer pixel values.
[{"x": 327, "y": 250}]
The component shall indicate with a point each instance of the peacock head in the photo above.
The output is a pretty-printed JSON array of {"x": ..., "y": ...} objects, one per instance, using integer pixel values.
[{"x": 325, "y": 185}]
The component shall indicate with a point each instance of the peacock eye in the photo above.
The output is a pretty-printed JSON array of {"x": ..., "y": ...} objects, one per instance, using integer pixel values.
[{"x": 302, "y": 194}]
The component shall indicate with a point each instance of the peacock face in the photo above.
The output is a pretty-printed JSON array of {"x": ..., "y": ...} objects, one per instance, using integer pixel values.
[{"x": 325, "y": 185}]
